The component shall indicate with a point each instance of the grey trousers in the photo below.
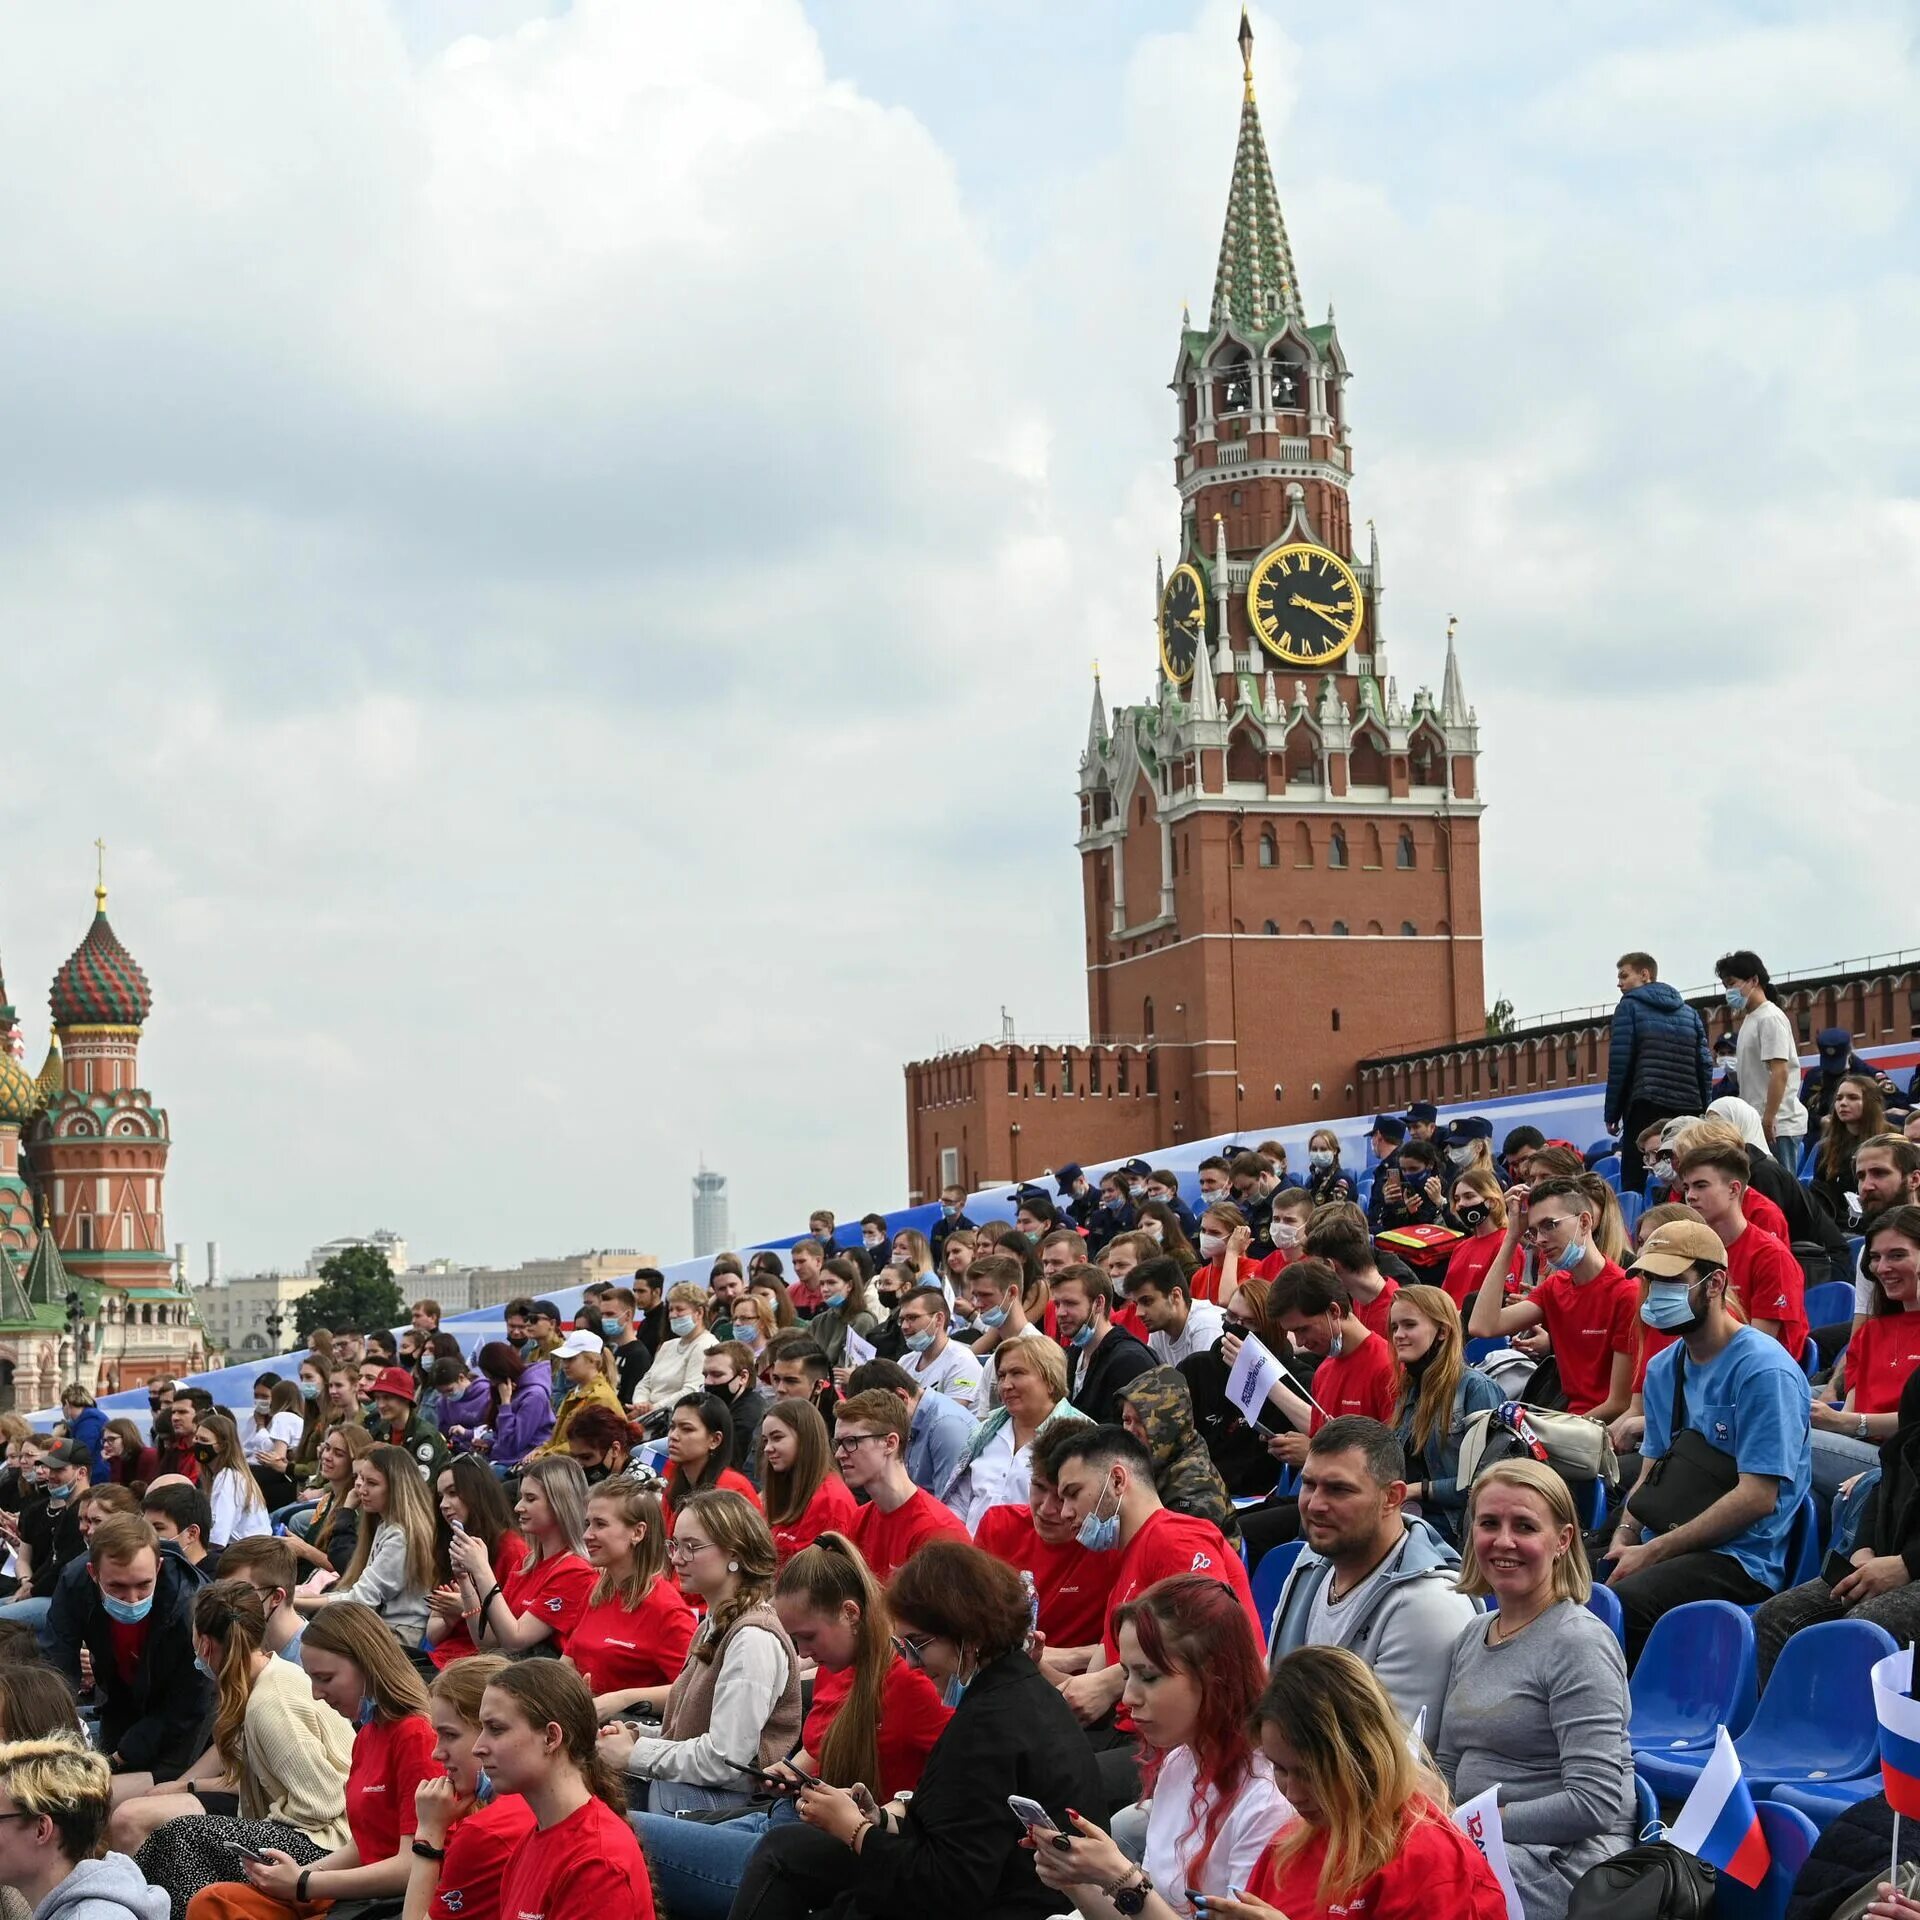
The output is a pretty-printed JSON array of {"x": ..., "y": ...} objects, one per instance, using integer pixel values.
[{"x": 1898, "y": 1610}]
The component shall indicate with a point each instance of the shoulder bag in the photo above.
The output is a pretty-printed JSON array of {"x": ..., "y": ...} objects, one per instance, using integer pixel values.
[{"x": 1689, "y": 1477}]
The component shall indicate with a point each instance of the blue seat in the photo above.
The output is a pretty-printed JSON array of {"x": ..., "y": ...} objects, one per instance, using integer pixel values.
[
  {"x": 1814, "y": 1722},
  {"x": 1809, "y": 1357},
  {"x": 1696, "y": 1673},
  {"x": 1477, "y": 1350},
  {"x": 1632, "y": 1206},
  {"x": 1271, "y": 1575},
  {"x": 1823, "y": 1801},
  {"x": 1803, "y": 1542},
  {"x": 1606, "y": 1603},
  {"x": 1790, "y": 1838},
  {"x": 1646, "y": 1809},
  {"x": 1830, "y": 1303}
]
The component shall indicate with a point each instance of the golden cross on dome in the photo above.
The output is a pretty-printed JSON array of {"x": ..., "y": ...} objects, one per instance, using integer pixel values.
[{"x": 100, "y": 876}]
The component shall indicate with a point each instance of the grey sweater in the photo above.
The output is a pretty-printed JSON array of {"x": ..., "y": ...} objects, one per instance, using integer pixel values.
[
  {"x": 384, "y": 1586},
  {"x": 1545, "y": 1717}
]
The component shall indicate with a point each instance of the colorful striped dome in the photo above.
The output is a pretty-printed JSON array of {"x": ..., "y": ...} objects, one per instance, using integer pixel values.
[
  {"x": 19, "y": 1092},
  {"x": 101, "y": 984}
]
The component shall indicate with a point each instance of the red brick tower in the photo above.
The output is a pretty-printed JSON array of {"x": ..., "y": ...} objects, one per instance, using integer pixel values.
[{"x": 1280, "y": 858}]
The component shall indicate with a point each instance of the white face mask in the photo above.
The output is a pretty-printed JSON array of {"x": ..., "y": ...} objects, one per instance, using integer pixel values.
[
  {"x": 1154, "y": 1229},
  {"x": 1212, "y": 1245}
]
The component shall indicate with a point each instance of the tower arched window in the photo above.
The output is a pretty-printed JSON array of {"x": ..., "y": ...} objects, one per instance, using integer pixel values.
[
  {"x": 1146, "y": 1016},
  {"x": 1403, "y": 857},
  {"x": 1337, "y": 850},
  {"x": 1272, "y": 926},
  {"x": 1340, "y": 929},
  {"x": 1408, "y": 931},
  {"x": 1269, "y": 848}
]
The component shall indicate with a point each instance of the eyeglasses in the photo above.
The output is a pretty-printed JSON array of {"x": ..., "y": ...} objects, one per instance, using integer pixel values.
[
  {"x": 1236, "y": 1326},
  {"x": 913, "y": 1651},
  {"x": 850, "y": 1442},
  {"x": 686, "y": 1549}
]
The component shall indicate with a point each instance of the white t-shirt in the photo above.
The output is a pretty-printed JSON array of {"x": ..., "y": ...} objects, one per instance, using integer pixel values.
[
  {"x": 956, "y": 1372},
  {"x": 999, "y": 1476},
  {"x": 231, "y": 1520},
  {"x": 285, "y": 1427},
  {"x": 1205, "y": 1324},
  {"x": 1258, "y": 1812},
  {"x": 1766, "y": 1036},
  {"x": 987, "y": 1395}
]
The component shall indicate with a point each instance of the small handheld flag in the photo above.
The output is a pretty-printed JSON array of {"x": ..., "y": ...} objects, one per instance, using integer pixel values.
[
  {"x": 1719, "y": 1823},
  {"x": 1899, "y": 1716},
  {"x": 1417, "y": 1738},
  {"x": 1479, "y": 1820}
]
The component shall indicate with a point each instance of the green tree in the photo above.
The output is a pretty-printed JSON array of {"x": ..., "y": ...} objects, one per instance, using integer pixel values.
[
  {"x": 356, "y": 1290},
  {"x": 1500, "y": 1016}
]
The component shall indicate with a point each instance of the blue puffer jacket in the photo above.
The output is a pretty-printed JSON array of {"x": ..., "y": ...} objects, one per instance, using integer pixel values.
[{"x": 1659, "y": 1054}]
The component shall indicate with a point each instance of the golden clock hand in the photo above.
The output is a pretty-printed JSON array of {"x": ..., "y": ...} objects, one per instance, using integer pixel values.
[{"x": 1313, "y": 606}]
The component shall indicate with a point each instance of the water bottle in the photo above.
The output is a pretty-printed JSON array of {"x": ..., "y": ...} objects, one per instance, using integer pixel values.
[{"x": 1033, "y": 1602}]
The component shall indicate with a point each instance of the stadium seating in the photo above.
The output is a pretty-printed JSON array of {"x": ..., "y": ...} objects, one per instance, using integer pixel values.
[
  {"x": 1825, "y": 1800},
  {"x": 1696, "y": 1672},
  {"x": 1830, "y": 1303},
  {"x": 1606, "y": 1603},
  {"x": 1790, "y": 1837},
  {"x": 1271, "y": 1575}
]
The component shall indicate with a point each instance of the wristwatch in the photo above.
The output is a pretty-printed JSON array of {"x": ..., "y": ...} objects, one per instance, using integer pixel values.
[
  {"x": 421, "y": 1851},
  {"x": 1131, "y": 1900}
]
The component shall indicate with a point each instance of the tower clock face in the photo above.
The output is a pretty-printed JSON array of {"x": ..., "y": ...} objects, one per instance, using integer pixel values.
[
  {"x": 1305, "y": 605},
  {"x": 1183, "y": 621}
]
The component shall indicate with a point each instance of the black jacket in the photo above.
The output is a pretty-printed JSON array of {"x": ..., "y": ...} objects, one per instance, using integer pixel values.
[
  {"x": 1093, "y": 1385},
  {"x": 1808, "y": 1226},
  {"x": 958, "y": 1854},
  {"x": 937, "y": 1239},
  {"x": 748, "y": 1411},
  {"x": 1102, "y": 1225},
  {"x": 1239, "y": 1451},
  {"x": 157, "y": 1722},
  {"x": 1891, "y": 1523},
  {"x": 1855, "y": 1848},
  {"x": 52, "y": 1535},
  {"x": 1657, "y": 1054}
]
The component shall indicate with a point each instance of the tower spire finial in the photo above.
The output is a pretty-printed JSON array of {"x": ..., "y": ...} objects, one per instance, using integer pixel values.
[
  {"x": 1246, "y": 51},
  {"x": 1254, "y": 286},
  {"x": 100, "y": 876}
]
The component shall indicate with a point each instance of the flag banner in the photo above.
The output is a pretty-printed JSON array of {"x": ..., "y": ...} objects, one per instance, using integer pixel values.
[
  {"x": 1719, "y": 1824},
  {"x": 1899, "y": 1715},
  {"x": 1479, "y": 1820}
]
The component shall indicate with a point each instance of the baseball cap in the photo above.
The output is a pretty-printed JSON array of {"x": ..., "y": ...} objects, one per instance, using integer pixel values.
[
  {"x": 1422, "y": 1113},
  {"x": 1676, "y": 1248},
  {"x": 578, "y": 1342},
  {"x": 1676, "y": 1127},
  {"x": 394, "y": 1380},
  {"x": 1064, "y": 1177},
  {"x": 545, "y": 1310},
  {"x": 66, "y": 1453}
]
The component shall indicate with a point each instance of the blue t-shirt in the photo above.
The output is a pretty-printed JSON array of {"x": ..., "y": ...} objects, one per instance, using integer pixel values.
[{"x": 1751, "y": 1401}]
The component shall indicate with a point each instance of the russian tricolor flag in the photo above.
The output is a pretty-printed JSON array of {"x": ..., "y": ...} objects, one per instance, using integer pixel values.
[
  {"x": 1718, "y": 1824},
  {"x": 1899, "y": 1715}
]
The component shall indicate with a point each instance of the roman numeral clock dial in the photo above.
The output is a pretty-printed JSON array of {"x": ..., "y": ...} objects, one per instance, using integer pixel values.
[
  {"x": 1304, "y": 603},
  {"x": 1183, "y": 622}
]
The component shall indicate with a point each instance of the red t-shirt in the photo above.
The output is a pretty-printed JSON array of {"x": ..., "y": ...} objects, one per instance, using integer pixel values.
[
  {"x": 1364, "y": 1379},
  {"x": 1766, "y": 1215},
  {"x": 1885, "y": 1348},
  {"x": 1767, "y": 1281},
  {"x": 585, "y": 1867},
  {"x": 390, "y": 1759},
  {"x": 887, "y": 1541},
  {"x": 554, "y": 1592},
  {"x": 1373, "y": 1316},
  {"x": 1652, "y": 1341},
  {"x": 911, "y": 1720},
  {"x": 616, "y": 1647},
  {"x": 478, "y": 1847},
  {"x": 1468, "y": 1265},
  {"x": 833, "y": 1509},
  {"x": 732, "y": 1480},
  {"x": 1168, "y": 1544},
  {"x": 459, "y": 1643},
  {"x": 1588, "y": 1324},
  {"x": 1438, "y": 1870},
  {"x": 1073, "y": 1582}
]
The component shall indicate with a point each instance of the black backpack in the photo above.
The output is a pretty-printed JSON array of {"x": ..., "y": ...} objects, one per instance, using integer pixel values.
[{"x": 1652, "y": 1881}]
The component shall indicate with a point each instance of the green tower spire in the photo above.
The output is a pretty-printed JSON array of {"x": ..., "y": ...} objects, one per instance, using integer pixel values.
[{"x": 1255, "y": 285}]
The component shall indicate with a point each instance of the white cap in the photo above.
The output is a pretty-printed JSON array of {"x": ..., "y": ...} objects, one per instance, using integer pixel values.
[{"x": 578, "y": 1342}]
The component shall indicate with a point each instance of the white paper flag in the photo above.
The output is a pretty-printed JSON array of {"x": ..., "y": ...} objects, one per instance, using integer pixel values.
[
  {"x": 858, "y": 1352},
  {"x": 1479, "y": 1820},
  {"x": 1255, "y": 1374}
]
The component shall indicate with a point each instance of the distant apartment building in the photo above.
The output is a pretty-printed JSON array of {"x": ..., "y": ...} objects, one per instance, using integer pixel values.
[
  {"x": 495, "y": 1286},
  {"x": 235, "y": 1312},
  {"x": 380, "y": 1240}
]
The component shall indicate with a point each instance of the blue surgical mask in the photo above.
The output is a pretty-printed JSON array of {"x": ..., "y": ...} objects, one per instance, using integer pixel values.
[
  {"x": 59, "y": 1496},
  {"x": 1736, "y": 999},
  {"x": 1669, "y": 1305},
  {"x": 948, "y": 1209},
  {"x": 953, "y": 1692},
  {"x": 994, "y": 1317},
  {"x": 834, "y": 1295},
  {"x": 483, "y": 1788},
  {"x": 919, "y": 1342},
  {"x": 1100, "y": 1534},
  {"x": 611, "y": 1329},
  {"x": 1570, "y": 1256},
  {"x": 309, "y": 1389},
  {"x": 201, "y": 1667},
  {"x": 363, "y": 1717},
  {"x": 128, "y": 1613},
  {"x": 1082, "y": 1338},
  {"x": 682, "y": 1324}
]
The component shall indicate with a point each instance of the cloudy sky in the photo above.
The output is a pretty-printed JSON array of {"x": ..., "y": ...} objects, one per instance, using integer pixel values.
[{"x": 561, "y": 547}]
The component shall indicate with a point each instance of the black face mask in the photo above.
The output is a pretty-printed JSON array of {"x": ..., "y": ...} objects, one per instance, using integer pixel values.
[
  {"x": 594, "y": 1475},
  {"x": 1475, "y": 1215},
  {"x": 204, "y": 1453}
]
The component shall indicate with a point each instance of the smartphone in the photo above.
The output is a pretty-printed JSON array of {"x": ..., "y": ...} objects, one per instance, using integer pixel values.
[
  {"x": 1030, "y": 1813},
  {"x": 456, "y": 1527},
  {"x": 247, "y": 1853}
]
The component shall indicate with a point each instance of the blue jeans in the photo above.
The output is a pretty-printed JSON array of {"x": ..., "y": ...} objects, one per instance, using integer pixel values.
[
  {"x": 696, "y": 1867},
  {"x": 33, "y": 1612}
]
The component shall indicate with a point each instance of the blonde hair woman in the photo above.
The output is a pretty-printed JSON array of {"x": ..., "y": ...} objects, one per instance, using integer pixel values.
[
  {"x": 1031, "y": 1376},
  {"x": 54, "y": 1796},
  {"x": 1537, "y": 1693},
  {"x": 1372, "y": 1832},
  {"x": 1439, "y": 1394},
  {"x": 633, "y": 1638},
  {"x": 676, "y": 1366},
  {"x": 545, "y": 1598},
  {"x": 392, "y": 1566}
]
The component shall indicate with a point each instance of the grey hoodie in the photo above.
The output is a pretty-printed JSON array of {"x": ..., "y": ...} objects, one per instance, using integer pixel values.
[
  {"x": 1405, "y": 1628},
  {"x": 110, "y": 1888}
]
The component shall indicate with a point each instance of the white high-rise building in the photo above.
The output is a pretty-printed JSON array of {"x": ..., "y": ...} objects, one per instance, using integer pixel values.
[{"x": 711, "y": 1233}]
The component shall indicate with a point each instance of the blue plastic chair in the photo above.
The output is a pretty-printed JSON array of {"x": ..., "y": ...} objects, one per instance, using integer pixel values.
[
  {"x": 1823, "y": 1801},
  {"x": 1830, "y": 1303},
  {"x": 1790, "y": 1838},
  {"x": 1632, "y": 1206},
  {"x": 1696, "y": 1672},
  {"x": 1646, "y": 1809},
  {"x": 1810, "y": 1357},
  {"x": 1477, "y": 1350},
  {"x": 1604, "y": 1602},
  {"x": 1271, "y": 1575},
  {"x": 1814, "y": 1722},
  {"x": 1803, "y": 1542}
]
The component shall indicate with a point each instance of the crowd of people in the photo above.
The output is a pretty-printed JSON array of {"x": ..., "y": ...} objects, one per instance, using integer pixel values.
[{"x": 915, "y": 1573}]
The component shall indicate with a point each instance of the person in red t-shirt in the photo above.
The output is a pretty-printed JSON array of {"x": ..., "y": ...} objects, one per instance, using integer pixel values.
[
  {"x": 1762, "y": 1273},
  {"x": 632, "y": 1640},
  {"x": 700, "y": 1453},
  {"x": 1105, "y": 1479},
  {"x": 1339, "y": 1236},
  {"x": 1340, "y": 1756},
  {"x": 1881, "y": 1356},
  {"x": 805, "y": 1497},
  {"x": 539, "y": 1738},
  {"x": 472, "y": 1497},
  {"x": 459, "y": 1816},
  {"x": 870, "y": 1444},
  {"x": 1072, "y": 1584},
  {"x": 1481, "y": 1211},
  {"x": 1357, "y": 1373},
  {"x": 357, "y": 1668},
  {"x": 1586, "y": 1303},
  {"x": 544, "y": 1599}
]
